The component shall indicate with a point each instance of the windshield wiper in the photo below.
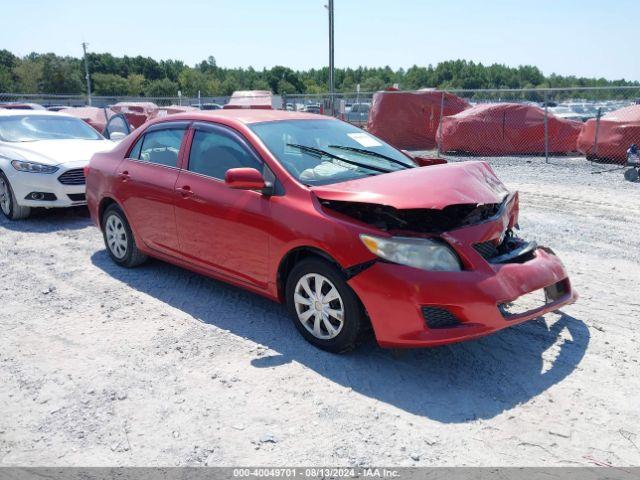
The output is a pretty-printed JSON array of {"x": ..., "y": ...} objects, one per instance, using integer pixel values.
[
  {"x": 321, "y": 152},
  {"x": 372, "y": 154}
]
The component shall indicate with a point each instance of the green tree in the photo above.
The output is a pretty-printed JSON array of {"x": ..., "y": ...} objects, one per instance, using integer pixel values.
[
  {"x": 135, "y": 84},
  {"x": 285, "y": 88},
  {"x": 192, "y": 81},
  {"x": 109, "y": 84},
  {"x": 8, "y": 59},
  {"x": 50, "y": 73},
  {"x": 61, "y": 74},
  {"x": 28, "y": 74},
  {"x": 161, "y": 88},
  {"x": 6, "y": 80}
]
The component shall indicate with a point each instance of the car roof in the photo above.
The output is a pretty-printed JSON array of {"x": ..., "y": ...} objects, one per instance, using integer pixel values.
[{"x": 245, "y": 116}]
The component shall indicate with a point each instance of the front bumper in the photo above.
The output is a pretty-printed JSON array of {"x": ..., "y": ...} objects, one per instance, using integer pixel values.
[
  {"x": 395, "y": 296},
  {"x": 24, "y": 184}
]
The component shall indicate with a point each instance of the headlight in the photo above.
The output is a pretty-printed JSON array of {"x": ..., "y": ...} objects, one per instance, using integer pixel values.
[
  {"x": 420, "y": 253},
  {"x": 33, "y": 167}
]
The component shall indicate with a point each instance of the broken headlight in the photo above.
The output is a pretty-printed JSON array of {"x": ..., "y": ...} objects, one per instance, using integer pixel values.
[{"x": 423, "y": 253}]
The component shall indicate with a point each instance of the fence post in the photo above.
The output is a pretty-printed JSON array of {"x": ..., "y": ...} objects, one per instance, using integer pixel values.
[
  {"x": 595, "y": 139},
  {"x": 546, "y": 127},
  {"x": 440, "y": 124}
]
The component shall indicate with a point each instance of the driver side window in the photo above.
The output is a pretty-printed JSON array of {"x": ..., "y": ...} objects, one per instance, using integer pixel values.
[{"x": 214, "y": 152}]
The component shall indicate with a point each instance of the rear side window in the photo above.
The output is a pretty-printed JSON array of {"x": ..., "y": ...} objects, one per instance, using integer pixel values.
[
  {"x": 160, "y": 147},
  {"x": 213, "y": 153}
]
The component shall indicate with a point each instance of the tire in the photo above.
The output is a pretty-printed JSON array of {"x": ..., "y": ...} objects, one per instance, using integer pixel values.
[
  {"x": 333, "y": 334},
  {"x": 8, "y": 204},
  {"x": 631, "y": 175},
  {"x": 119, "y": 240}
]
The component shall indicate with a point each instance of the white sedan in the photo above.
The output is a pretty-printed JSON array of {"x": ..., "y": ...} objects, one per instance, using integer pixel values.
[{"x": 42, "y": 157}]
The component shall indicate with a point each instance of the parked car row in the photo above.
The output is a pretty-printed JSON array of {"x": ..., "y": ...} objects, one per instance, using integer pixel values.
[{"x": 346, "y": 230}]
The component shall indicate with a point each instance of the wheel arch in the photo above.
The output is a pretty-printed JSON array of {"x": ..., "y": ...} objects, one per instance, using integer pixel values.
[
  {"x": 292, "y": 257},
  {"x": 104, "y": 204}
]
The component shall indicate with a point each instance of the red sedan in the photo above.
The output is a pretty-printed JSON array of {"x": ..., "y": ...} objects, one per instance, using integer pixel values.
[{"x": 342, "y": 227}]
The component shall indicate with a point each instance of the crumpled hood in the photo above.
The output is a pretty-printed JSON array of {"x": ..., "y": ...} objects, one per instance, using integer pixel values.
[
  {"x": 432, "y": 187},
  {"x": 54, "y": 152}
]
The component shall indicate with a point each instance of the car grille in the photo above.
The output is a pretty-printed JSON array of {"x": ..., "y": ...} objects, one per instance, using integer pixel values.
[
  {"x": 436, "y": 317},
  {"x": 77, "y": 197},
  {"x": 72, "y": 177},
  {"x": 511, "y": 250},
  {"x": 487, "y": 250}
]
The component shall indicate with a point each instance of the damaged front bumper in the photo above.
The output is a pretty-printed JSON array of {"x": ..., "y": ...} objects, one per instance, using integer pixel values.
[{"x": 409, "y": 307}]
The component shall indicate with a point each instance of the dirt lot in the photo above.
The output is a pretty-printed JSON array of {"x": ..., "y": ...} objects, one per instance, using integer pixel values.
[{"x": 160, "y": 366}]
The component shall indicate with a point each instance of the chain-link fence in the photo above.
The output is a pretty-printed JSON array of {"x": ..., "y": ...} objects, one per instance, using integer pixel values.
[{"x": 599, "y": 123}]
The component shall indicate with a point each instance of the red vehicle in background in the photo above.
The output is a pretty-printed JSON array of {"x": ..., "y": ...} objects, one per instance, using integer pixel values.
[{"x": 316, "y": 213}]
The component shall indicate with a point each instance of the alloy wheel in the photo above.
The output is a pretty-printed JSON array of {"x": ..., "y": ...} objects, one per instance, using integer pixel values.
[
  {"x": 319, "y": 306},
  {"x": 116, "y": 236},
  {"x": 5, "y": 196}
]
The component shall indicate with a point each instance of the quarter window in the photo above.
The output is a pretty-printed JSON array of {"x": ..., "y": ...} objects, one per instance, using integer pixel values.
[{"x": 213, "y": 153}]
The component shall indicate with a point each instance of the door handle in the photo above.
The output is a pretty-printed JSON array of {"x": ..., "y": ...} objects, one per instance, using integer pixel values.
[
  {"x": 185, "y": 191},
  {"x": 124, "y": 176}
]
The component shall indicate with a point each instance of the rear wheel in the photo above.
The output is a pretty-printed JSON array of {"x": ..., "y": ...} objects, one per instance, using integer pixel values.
[
  {"x": 8, "y": 203},
  {"x": 324, "y": 309},
  {"x": 118, "y": 238}
]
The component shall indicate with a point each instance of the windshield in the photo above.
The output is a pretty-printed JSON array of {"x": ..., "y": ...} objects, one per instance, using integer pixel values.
[
  {"x": 29, "y": 128},
  {"x": 320, "y": 152}
]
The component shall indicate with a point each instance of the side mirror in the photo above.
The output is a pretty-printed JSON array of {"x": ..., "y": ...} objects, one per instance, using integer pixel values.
[{"x": 247, "y": 179}]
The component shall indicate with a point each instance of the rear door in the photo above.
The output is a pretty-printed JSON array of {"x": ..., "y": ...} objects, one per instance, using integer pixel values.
[
  {"x": 146, "y": 185},
  {"x": 220, "y": 228}
]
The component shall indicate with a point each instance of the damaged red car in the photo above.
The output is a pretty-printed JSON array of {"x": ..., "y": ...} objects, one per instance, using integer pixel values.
[{"x": 348, "y": 231}]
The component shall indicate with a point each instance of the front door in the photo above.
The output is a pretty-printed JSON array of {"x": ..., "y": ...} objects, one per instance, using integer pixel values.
[{"x": 219, "y": 228}]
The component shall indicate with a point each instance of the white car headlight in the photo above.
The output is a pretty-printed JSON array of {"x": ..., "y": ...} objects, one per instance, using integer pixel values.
[
  {"x": 420, "y": 253},
  {"x": 33, "y": 167}
]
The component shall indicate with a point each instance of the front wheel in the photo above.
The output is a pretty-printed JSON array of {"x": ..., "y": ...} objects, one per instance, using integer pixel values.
[
  {"x": 118, "y": 238},
  {"x": 324, "y": 309},
  {"x": 8, "y": 202}
]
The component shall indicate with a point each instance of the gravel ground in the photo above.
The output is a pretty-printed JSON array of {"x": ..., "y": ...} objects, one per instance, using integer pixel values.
[{"x": 159, "y": 366}]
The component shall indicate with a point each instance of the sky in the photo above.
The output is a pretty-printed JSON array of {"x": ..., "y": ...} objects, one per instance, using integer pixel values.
[{"x": 591, "y": 38}]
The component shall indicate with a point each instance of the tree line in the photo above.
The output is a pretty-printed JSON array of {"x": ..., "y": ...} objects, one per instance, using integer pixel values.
[{"x": 144, "y": 76}]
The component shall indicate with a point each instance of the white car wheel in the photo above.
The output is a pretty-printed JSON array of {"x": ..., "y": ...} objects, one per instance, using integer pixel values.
[
  {"x": 319, "y": 306},
  {"x": 5, "y": 197},
  {"x": 8, "y": 204},
  {"x": 116, "y": 236}
]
